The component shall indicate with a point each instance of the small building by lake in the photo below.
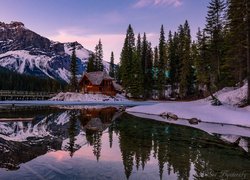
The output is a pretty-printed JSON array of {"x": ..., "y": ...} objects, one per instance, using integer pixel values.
[{"x": 98, "y": 82}]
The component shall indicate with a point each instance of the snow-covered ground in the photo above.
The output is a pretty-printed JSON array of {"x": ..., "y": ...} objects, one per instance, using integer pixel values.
[
  {"x": 231, "y": 95},
  {"x": 203, "y": 110},
  {"x": 69, "y": 96}
]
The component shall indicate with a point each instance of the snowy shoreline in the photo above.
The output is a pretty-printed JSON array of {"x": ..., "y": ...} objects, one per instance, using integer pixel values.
[
  {"x": 228, "y": 113},
  {"x": 203, "y": 111}
]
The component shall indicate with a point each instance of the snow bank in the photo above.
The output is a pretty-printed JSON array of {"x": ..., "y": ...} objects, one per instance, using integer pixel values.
[
  {"x": 68, "y": 96},
  {"x": 201, "y": 110},
  {"x": 232, "y": 96}
]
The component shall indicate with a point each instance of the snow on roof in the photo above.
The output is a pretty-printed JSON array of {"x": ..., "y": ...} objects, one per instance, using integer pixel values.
[{"x": 97, "y": 77}]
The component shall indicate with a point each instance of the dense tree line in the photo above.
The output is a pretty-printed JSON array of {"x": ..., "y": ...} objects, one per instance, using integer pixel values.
[
  {"x": 14, "y": 81},
  {"x": 218, "y": 57}
]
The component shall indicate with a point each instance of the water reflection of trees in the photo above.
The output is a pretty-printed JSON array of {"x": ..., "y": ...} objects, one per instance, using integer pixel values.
[
  {"x": 56, "y": 129},
  {"x": 94, "y": 122},
  {"x": 72, "y": 132},
  {"x": 176, "y": 148}
]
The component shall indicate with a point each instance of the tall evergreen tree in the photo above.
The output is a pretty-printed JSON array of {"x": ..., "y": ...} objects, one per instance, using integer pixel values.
[
  {"x": 147, "y": 66},
  {"x": 99, "y": 57},
  {"x": 186, "y": 79},
  {"x": 73, "y": 70},
  {"x": 148, "y": 77},
  {"x": 112, "y": 66},
  {"x": 161, "y": 65},
  {"x": 174, "y": 62},
  {"x": 72, "y": 132},
  {"x": 118, "y": 73},
  {"x": 156, "y": 57},
  {"x": 248, "y": 48},
  {"x": 137, "y": 70},
  {"x": 155, "y": 66},
  {"x": 201, "y": 61},
  {"x": 236, "y": 52},
  {"x": 238, "y": 39},
  {"x": 214, "y": 28},
  {"x": 127, "y": 56},
  {"x": 91, "y": 63}
]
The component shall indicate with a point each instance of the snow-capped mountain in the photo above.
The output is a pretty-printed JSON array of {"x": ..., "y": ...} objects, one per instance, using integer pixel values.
[{"x": 26, "y": 52}]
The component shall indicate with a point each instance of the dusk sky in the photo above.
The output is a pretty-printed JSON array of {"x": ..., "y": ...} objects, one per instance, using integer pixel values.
[{"x": 87, "y": 21}]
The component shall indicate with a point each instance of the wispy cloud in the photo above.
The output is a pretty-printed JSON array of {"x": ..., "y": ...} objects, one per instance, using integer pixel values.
[{"x": 144, "y": 3}]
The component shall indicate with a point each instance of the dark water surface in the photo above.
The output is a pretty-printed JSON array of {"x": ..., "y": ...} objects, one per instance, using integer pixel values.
[{"x": 107, "y": 144}]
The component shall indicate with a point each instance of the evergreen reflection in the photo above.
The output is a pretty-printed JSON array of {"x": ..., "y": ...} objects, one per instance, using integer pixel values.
[
  {"x": 176, "y": 148},
  {"x": 72, "y": 132},
  {"x": 94, "y": 122}
]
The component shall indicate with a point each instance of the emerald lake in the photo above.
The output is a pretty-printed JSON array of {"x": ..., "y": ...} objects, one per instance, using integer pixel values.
[{"x": 104, "y": 143}]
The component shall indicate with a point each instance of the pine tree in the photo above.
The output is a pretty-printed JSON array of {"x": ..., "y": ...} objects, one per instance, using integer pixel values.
[
  {"x": 148, "y": 80},
  {"x": 186, "y": 79},
  {"x": 144, "y": 52},
  {"x": 112, "y": 66},
  {"x": 155, "y": 66},
  {"x": 214, "y": 29},
  {"x": 147, "y": 67},
  {"x": 161, "y": 65},
  {"x": 99, "y": 57},
  {"x": 72, "y": 133},
  {"x": 90, "y": 65},
  {"x": 236, "y": 53},
  {"x": 136, "y": 84},
  {"x": 137, "y": 70},
  {"x": 73, "y": 70},
  {"x": 174, "y": 65},
  {"x": 156, "y": 57},
  {"x": 127, "y": 56},
  {"x": 118, "y": 73},
  {"x": 202, "y": 61},
  {"x": 238, "y": 40}
]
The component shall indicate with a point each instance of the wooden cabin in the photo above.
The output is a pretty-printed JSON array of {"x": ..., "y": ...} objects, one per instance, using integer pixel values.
[{"x": 98, "y": 82}]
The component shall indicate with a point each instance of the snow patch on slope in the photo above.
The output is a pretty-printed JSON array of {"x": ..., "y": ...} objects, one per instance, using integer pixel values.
[
  {"x": 20, "y": 59},
  {"x": 81, "y": 52}
]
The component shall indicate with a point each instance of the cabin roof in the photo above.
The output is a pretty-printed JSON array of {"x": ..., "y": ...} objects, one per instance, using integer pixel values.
[{"x": 97, "y": 77}]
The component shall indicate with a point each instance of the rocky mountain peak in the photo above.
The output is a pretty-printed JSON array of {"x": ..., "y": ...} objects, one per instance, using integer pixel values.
[
  {"x": 26, "y": 52},
  {"x": 13, "y": 24},
  {"x": 15, "y": 36}
]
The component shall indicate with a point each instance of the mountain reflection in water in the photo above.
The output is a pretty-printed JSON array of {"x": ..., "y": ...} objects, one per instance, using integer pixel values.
[{"x": 107, "y": 144}]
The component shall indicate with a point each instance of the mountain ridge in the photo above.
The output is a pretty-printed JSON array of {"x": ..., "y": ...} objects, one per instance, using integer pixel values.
[{"x": 26, "y": 52}]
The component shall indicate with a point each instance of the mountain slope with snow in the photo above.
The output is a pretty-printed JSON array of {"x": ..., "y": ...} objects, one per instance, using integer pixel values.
[{"x": 26, "y": 52}]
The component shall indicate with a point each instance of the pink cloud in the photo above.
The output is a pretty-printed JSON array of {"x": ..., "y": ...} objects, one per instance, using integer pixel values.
[
  {"x": 111, "y": 42},
  {"x": 144, "y": 3}
]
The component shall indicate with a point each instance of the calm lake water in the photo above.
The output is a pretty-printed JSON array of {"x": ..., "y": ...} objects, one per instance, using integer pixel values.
[{"x": 52, "y": 143}]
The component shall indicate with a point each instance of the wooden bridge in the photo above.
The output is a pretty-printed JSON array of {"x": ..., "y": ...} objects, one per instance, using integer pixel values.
[{"x": 24, "y": 95}]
